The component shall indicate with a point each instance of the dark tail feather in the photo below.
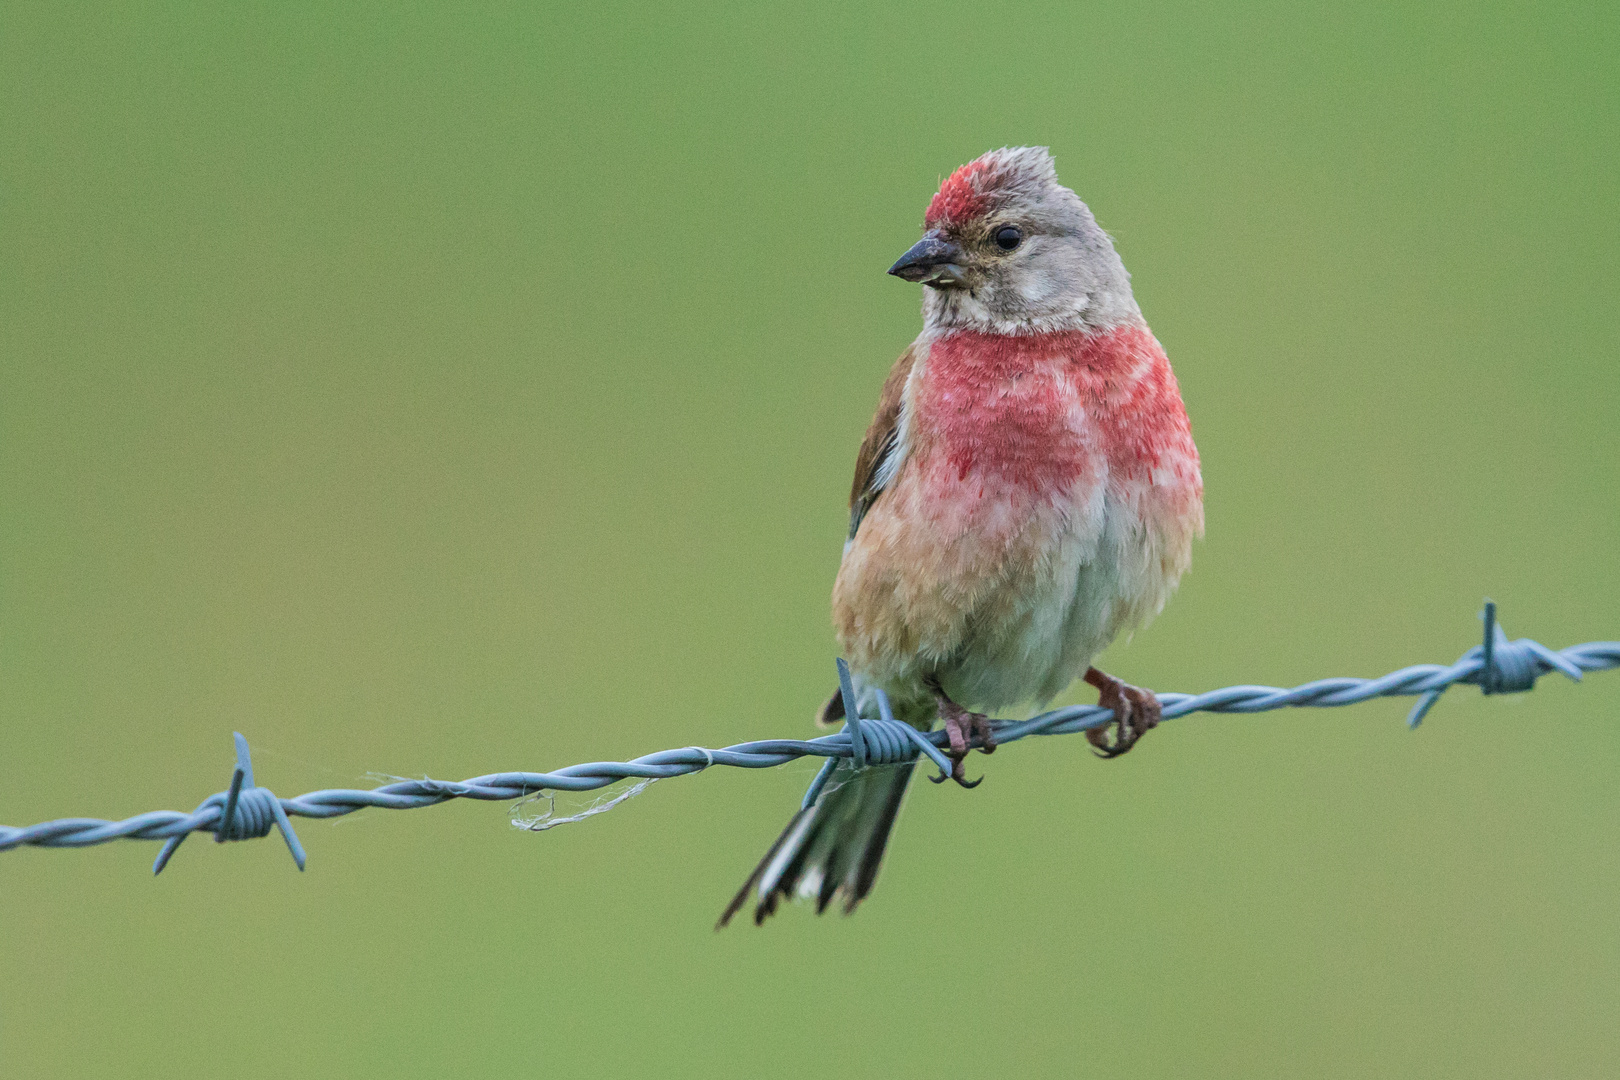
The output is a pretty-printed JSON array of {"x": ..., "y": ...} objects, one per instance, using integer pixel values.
[{"x": 835, "y": 846}]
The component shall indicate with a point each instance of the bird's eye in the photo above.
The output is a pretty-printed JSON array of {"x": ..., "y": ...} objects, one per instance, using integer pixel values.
[{"x": 1008, "y": 237}]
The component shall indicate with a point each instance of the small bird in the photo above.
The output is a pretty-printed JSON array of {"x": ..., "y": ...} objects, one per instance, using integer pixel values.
[{"x": 1028, "y": 490}]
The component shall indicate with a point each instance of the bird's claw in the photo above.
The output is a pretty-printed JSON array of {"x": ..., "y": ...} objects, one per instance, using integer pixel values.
[
  {"x": 964, "y": 729},
  {"x": 1136, "y": 712},
  {"x": 957, "y": 773}
]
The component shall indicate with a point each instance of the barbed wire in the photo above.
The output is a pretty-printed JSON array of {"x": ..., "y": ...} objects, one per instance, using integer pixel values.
[{"x": 246, "y": 811}]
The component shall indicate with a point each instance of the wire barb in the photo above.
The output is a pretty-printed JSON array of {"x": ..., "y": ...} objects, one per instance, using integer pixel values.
[
  {"x": 246, "y": 811},
  {"x": 1498, "y": 666},
  {"x": 249, "y": 812}
]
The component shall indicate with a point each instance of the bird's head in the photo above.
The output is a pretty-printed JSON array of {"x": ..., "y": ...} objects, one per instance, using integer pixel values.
[{"x": 1008, "y": 249}]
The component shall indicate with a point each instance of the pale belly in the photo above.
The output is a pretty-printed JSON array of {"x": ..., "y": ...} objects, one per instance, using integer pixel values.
[{"x": 1005, "y": 596}]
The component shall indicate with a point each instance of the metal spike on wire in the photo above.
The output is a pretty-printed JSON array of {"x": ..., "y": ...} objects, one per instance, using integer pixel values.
[
  {"x": 247, "y": 814},
  {"x": 246, "y": 811}
]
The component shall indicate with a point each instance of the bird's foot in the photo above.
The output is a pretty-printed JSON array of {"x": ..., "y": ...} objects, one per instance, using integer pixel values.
[
  {"x": 1136, "y": 712},
  {"x": 965, "y": 729}
]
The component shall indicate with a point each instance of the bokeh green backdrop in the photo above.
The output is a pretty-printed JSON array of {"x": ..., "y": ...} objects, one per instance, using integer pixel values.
[{"x": 444, "y": 390}]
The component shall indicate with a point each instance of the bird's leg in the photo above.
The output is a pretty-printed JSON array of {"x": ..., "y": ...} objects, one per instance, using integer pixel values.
[
  {"x": 962, "y": 727},
  {"x": 1136, "y": 712}
]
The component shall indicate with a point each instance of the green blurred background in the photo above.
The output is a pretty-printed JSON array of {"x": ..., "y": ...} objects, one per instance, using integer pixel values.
[{"x": 442, "y": 390}]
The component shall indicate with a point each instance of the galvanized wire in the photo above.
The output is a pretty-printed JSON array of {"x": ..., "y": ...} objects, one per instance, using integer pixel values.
[{"x": 246, "y": 811}]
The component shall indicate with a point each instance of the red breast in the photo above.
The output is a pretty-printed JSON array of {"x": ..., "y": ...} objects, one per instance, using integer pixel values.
[{"x": 1041, "y": 411}]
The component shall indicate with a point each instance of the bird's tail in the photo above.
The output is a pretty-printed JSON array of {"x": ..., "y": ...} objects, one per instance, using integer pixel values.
[{"x": 833, "y": 846}]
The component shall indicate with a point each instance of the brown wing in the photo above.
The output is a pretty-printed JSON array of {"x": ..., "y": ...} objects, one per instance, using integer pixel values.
[
  {"x": 882, "y": 438},
  {"x": 880, "y": 442}
]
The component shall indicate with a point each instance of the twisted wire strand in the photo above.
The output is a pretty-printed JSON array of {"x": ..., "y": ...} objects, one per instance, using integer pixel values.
[{"x": 248, "y": 812}]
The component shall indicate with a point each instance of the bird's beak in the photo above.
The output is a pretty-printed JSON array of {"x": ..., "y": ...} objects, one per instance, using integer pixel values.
[{"x": 933, "y": 260}]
